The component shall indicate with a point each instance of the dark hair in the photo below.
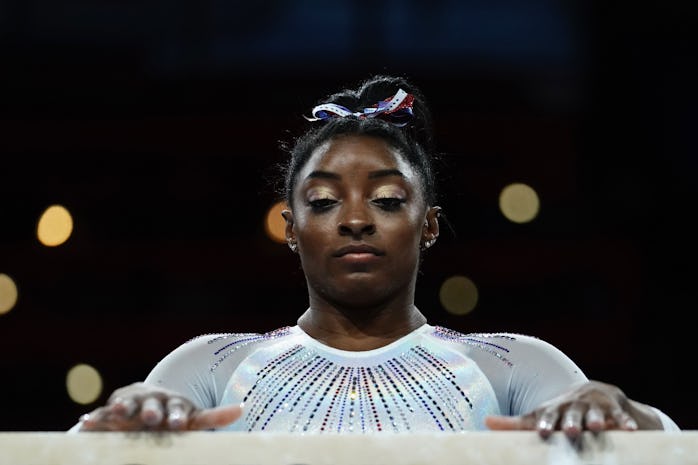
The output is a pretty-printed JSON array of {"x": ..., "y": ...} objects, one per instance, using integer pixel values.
[{"x": 414, "y": 140}]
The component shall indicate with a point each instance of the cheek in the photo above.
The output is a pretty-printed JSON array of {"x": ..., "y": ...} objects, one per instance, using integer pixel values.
[
  {"x": 405, "y": 235},
  {"x": 312, "y": 230}
]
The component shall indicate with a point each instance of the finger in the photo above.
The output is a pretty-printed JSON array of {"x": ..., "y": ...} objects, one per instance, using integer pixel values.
[
  {"x": 546, "y": 422},
  {"x": 623, "y": 420},
  {"x": 177, "y": 413},
  {"x": 151, "y": 411},
  {"x": 215, "y": 417},
  {"x": 594, "y": 419},
  {"x": 509, "y": 423},
  {"x": 90, "y": 421},
  {"x": 502, "y": 423},
  {"x": 571, "y": 422},
  {"x": 124, "y": 406},
  {"x": 101, "y": 419}
]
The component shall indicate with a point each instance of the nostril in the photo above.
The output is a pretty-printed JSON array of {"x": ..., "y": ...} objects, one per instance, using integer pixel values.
[{"x": 356, "y": 228}]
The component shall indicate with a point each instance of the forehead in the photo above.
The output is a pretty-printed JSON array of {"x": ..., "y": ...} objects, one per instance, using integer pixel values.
[{"x": 348, "y": 155}]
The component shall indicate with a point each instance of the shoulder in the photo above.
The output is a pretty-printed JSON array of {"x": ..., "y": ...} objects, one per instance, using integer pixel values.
[
  {"x": 500, "y": 342},
  {"x": 524, "y": 370},
  {"x": 508, "y": 347},
  {"x": 217, "y": 347}
]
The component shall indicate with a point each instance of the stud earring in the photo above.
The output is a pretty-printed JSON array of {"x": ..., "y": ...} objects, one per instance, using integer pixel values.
[
  {"x": 426, "y": 244},
  {"x": 292, "y": 245}
]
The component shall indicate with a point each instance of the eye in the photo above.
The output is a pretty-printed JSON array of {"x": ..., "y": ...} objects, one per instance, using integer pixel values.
[
  {"x": 389, "y": 203},
  {"x": 320, "y": 205}
]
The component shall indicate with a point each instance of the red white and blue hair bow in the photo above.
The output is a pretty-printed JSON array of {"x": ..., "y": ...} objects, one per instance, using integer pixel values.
[{"x": 396, "y": 109}]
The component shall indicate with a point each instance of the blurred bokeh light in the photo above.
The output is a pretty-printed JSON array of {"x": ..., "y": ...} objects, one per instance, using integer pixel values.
[
  {"x": 458, "y": 295},
  {"x": 8, "y": 293},
  {"x": 275, "y": 225},
  {"x": 55, "y": 226},
  {"x": 519, "y": 203},
  {"x": 83, "y": 383}
]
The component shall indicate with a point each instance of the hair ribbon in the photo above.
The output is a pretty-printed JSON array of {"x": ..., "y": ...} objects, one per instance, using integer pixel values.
[{"x": 396, "y": 109}]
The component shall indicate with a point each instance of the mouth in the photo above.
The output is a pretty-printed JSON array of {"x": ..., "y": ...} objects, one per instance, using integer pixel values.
[{"x": 358, "y": 251}]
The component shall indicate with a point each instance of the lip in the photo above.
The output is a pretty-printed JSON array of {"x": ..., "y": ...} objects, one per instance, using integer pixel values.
[{"x": 357, "y": 250}]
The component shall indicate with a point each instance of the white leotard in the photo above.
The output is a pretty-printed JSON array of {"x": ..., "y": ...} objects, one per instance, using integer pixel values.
[{"x": 433, "y": 379}]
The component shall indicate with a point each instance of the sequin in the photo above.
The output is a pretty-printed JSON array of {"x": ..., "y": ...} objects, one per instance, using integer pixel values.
[
  {"x": 478, "y": 340},
  {"x": 293, "y": 383}
]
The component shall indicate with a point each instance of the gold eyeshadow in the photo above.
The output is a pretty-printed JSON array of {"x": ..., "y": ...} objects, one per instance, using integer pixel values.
[
  {"x": 318, "y": 193},
  {"x": 389, "y": 192}
]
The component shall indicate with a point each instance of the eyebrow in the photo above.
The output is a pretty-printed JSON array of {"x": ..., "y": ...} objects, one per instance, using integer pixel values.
[{"x": 371, "y": 175}]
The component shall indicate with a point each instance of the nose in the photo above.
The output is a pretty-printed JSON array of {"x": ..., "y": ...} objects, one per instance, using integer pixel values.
[{"x": 356, "y": 220}]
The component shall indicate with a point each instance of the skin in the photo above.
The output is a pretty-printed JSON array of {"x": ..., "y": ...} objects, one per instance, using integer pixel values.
[
  {"x": 357, "y": 191},
  {"x": 358, "y": 220}
]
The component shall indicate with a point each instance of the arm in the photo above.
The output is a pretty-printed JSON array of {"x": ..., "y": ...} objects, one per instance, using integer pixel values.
[
  {"x": 547, "y": 391},
  {"x": 180, "y": 393},
  {"x": 591, "y": 405},
  {"x": 140, "y": 407}
]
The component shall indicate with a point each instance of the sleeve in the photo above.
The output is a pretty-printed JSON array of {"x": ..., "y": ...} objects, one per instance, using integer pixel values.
[
  {"x": 668, "y": 424},
  {"x": 524, "y": 371},
  {"x": 542, "y": 371},
  {"x": 187, "y": 370},
  {"x": 194, "y": 370},
  {"x": 535, "y": 371}
]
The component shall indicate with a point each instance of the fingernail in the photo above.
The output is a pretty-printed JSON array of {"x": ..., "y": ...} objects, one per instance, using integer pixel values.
[
  {"x": 176, "y": 419},
  {"x": 151, "y": 417},
  {"x": 545, "y": 425},
  {"x": 151, "y": 412},
  {"x": 630, "y": 424}
]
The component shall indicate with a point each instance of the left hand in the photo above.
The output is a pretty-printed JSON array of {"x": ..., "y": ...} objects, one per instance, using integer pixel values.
[{"x": 592, "y": 406}]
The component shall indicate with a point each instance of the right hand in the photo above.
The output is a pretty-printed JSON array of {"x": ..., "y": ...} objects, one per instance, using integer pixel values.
[{"x": 140, "y": 407}]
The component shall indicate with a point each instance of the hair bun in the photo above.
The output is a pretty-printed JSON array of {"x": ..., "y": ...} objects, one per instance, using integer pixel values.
[{"x": 380, "y": 88}]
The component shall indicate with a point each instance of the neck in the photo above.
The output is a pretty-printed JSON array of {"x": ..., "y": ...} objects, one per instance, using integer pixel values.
[{"x": 346, "y": 330}]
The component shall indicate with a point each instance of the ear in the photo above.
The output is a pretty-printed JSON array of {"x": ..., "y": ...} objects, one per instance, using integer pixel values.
[
  {"x": 288, "y": 217},
  {"x": 430, "y": 230}
]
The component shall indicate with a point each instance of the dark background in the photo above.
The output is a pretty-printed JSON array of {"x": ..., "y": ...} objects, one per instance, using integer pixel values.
[{"x": 156, "y": 124}]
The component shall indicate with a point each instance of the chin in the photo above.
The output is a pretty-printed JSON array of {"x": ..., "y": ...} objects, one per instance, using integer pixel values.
[{"x": 363, "y": 292}]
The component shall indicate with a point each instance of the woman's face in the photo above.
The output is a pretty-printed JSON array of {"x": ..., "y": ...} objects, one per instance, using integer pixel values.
[{"x": 358, "y": 217}]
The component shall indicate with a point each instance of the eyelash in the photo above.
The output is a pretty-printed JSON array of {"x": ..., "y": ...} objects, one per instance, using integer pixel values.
[
  {"x": 321, "y": 205},
  {"x": 389, "y": 204}
]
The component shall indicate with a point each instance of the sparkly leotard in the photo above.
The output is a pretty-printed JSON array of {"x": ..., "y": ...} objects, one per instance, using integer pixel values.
[{"x": 433, "y": 379}]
